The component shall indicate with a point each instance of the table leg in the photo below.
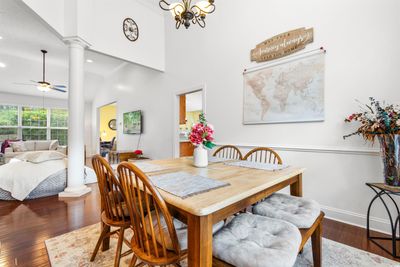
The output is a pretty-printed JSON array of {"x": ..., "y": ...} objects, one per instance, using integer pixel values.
[
  {"x": 296, "y": 189},
  {"x": 200, "y": 241}
]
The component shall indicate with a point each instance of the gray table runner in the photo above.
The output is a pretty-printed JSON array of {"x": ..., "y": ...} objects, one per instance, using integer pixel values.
[
  {"x": 257, "y": 165},
  {"x": 184, "y": 184},
  {"x": 217, "y": 160}
]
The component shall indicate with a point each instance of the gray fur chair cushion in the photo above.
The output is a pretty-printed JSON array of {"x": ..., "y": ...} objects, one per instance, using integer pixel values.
[
  {"x": 251, "y": 240},
  {"x": 299, "y": 211},
  {"x": 180, "y": 228}
]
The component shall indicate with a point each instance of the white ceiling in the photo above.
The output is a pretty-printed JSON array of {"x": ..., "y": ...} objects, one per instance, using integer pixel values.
[{"x": 23, "y": 36}]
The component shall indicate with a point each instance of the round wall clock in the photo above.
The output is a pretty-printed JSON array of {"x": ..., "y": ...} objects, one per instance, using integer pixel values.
[
  {"x": 112, "y": 124},
  {"x": 131, "y": 29}
]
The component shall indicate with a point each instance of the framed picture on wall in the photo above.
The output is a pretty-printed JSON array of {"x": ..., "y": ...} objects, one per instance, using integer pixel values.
[
  {"x": 290, "y": 91},
  {"x": 133, "y": 122}
]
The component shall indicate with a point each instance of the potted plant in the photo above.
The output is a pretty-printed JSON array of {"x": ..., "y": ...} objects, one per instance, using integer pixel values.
[
  {"x": 201, "y": 136},
  {"x": 382, "y": 122}
]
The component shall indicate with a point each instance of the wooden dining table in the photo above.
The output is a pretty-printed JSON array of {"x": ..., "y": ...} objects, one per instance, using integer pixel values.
[{"x": 246, "y": 187}]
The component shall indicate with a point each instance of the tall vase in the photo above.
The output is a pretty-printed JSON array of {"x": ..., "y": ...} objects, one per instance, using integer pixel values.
[
  {"x": 390, "y": 151},
  {"x": 200, "y": 157}
]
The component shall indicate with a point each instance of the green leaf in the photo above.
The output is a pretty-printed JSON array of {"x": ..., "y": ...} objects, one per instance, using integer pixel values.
[{"x": 209, "y": 144}]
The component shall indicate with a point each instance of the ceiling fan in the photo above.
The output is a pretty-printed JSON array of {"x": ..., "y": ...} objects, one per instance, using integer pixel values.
[{"x": 43, "y": 85}]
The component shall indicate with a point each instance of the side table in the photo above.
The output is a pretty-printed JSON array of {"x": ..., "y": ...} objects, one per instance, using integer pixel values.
[{"x": 381, "y": 190}]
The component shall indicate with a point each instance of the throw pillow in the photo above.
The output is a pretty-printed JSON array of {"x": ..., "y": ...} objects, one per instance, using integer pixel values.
[
  {"x": 42, "y": 145},
  {"x": 40, "y": 156},
  {"x": 54, "y": 145},
  {"x": 18, "y": 146}
]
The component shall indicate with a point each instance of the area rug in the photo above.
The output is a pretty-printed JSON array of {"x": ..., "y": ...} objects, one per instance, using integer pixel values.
[{"x": 75, "y": 248}]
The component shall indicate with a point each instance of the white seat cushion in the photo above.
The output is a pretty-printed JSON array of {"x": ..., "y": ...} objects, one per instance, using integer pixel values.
[
  {"x": 299, "y": 211},
  {"x": 251, "y": 240},
  {"x": 180, "y": 227}
]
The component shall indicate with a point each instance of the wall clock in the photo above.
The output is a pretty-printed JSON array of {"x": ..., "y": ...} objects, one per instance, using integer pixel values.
[
  {"x": 131, "y": 29},
  {"x": 112, "y": 124}
]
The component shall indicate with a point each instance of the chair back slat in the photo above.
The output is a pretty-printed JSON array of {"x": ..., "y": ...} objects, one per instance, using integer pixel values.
[
  {"x": 263, "y": 155},
  {"x": 151, "y": 221},
  {"x": 112, "y": 197},
  {"x": 228, "y": 152}
]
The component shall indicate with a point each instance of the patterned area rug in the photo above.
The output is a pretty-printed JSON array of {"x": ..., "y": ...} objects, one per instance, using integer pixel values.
[{"x": 75, "y": 248}]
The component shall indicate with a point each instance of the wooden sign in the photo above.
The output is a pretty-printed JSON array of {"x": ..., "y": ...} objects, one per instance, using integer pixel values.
[{"x": 282, "y": 45}]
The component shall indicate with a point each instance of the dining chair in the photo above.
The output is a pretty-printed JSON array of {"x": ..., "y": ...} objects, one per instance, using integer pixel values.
[
  {"x": 114, "y": 212},
  {"x": 263, "y": 155},
  {"x": 158, "y": 238},
  {"x": 305, "y": 213},
  {"x": 228, "y": 152}
]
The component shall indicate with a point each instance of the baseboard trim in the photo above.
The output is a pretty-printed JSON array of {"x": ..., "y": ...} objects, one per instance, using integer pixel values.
[
  {"x": 357, "y": 219},
  {"x": 312, "y": 149}
]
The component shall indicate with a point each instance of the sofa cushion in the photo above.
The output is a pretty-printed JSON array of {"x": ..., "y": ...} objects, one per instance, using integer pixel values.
[
  {"x": 18, "y": 146},
  {"x": 180, "y": 228},
  {"x": 54, "y": 145},
  {"x": 256, "y": 241},
  {"x": 299, "y": 211},
  {"x": 42, "y": 145},
  {"x": 30, "y": 145}
]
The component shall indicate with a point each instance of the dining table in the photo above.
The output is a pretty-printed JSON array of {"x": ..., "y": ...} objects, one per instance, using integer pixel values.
[{"x": 246, "y": 186}]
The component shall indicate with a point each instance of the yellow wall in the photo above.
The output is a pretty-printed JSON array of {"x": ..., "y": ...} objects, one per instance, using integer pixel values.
[
  {"x": 107, "y": 113},
  {"x": 192, "y": 117}
]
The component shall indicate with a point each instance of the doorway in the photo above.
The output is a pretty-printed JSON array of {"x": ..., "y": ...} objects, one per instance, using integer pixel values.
[
  {"x": 108, "y": 128},
  {"x": 189, "y": 105}
]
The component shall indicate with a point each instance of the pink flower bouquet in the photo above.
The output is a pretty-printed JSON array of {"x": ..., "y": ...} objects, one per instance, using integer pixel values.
[{"x": 202, "y": 133}]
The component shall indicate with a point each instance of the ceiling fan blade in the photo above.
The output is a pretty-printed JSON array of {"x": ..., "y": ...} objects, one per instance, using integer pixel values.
[
  {"x": 60, "y": 86},
  {"x": 57, "y": 89},
  {"x": 25, "y": 84}
]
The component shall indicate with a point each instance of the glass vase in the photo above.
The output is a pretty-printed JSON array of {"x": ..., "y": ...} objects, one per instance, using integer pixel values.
[{"x": 390, "y": 152}]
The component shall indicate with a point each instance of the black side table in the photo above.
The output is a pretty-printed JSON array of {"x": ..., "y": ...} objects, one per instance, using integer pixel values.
[{"x": 381, "y": 190}]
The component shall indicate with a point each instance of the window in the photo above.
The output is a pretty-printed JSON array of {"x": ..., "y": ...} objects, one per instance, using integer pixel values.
[
  {"x": 34, "y": 134},
  {"x": 8, "y": 122},
  {"x": 58, "y": 118},
  {"x": 36, "y": 117},
  {"x": 61, "y": 135},
  {"x": 33, "y": 123}
]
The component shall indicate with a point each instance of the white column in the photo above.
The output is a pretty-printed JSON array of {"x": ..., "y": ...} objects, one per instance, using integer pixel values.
[{"x": 75, "y": 183}]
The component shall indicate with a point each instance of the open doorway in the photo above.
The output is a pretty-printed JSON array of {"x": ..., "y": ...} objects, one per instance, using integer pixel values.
[
  {"x": 108, "y": 128},
  {"x": 190, "y": 105}
]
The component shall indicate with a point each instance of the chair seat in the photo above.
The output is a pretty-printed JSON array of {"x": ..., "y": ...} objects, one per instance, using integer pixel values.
[
  {"x": 256, "y": 241},
  {"x": 180, "y": 227},
  {"x": 299, "y": 211}
]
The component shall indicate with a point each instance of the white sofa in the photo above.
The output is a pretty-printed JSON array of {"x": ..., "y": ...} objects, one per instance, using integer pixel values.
[{"x": 19, "y": 147}]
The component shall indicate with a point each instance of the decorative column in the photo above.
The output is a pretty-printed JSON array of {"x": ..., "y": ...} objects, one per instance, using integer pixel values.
[{"x": 76, "y": 162}]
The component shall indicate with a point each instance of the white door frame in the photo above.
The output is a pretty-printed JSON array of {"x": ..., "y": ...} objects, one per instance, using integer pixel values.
[{"x": 177, "y": 94}]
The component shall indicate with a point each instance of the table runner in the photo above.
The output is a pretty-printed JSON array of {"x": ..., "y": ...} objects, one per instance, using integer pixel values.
[
  {"x": 184, "y": 185},
  {"x": 217, "y": 160},
  {"x": 258, "y": 165}
]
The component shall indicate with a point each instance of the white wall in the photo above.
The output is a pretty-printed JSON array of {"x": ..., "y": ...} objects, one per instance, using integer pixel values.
[
  {"x": 99, "y": 22},
  {"x": 362, "y": 60}
]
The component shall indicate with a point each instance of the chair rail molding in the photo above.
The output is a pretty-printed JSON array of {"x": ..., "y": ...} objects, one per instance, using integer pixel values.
[{"x": 313, "y": 149}]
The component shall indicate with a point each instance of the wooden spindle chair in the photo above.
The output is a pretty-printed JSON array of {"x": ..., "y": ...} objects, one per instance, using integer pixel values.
[
  {"x": 228, "y": 152},
  {"x": 114, "y": 212},
  {"x": 155, "y": 241},
  {"x": 263, "y": 155}
]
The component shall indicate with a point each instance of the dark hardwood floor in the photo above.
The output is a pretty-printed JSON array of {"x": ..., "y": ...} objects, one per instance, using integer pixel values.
[{"x": 24, "y": 226}]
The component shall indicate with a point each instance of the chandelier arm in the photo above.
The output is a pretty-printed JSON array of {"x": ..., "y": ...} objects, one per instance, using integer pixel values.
[
  {"x": 178, "y": 24},
  {"x": 198, "y": 10},
  {"x": 200, "y": 20},
  {"x": 166, "y": 4}
]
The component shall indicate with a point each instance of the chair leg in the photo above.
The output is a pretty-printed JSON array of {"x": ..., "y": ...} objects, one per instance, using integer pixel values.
[
  {"x": 96, "y": 249},
  {"x": 316, "y": 240},
  {"x": 133, "y": 261},
  {"x": 119, "y": 247}
]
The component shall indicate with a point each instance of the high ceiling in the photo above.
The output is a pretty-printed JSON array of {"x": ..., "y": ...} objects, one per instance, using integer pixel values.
[{"x": 23, "y": 36}]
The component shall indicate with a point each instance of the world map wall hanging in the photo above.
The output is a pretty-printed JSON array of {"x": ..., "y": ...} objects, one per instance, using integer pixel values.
[{"x": 288, "y": 91}]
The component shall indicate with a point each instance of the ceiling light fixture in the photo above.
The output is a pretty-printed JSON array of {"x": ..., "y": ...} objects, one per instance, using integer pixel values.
[
  {"x": 89, "y": 61},
  {"x": 2, "y": 65},
  {"x": 185, "y": 12}
]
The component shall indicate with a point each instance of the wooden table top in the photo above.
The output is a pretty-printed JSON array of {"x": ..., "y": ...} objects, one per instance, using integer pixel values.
[{"x": 244, "y": 182}]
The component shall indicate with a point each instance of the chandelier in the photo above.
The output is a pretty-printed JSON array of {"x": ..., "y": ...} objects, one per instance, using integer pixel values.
[{"x": 185, "y": 12}]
